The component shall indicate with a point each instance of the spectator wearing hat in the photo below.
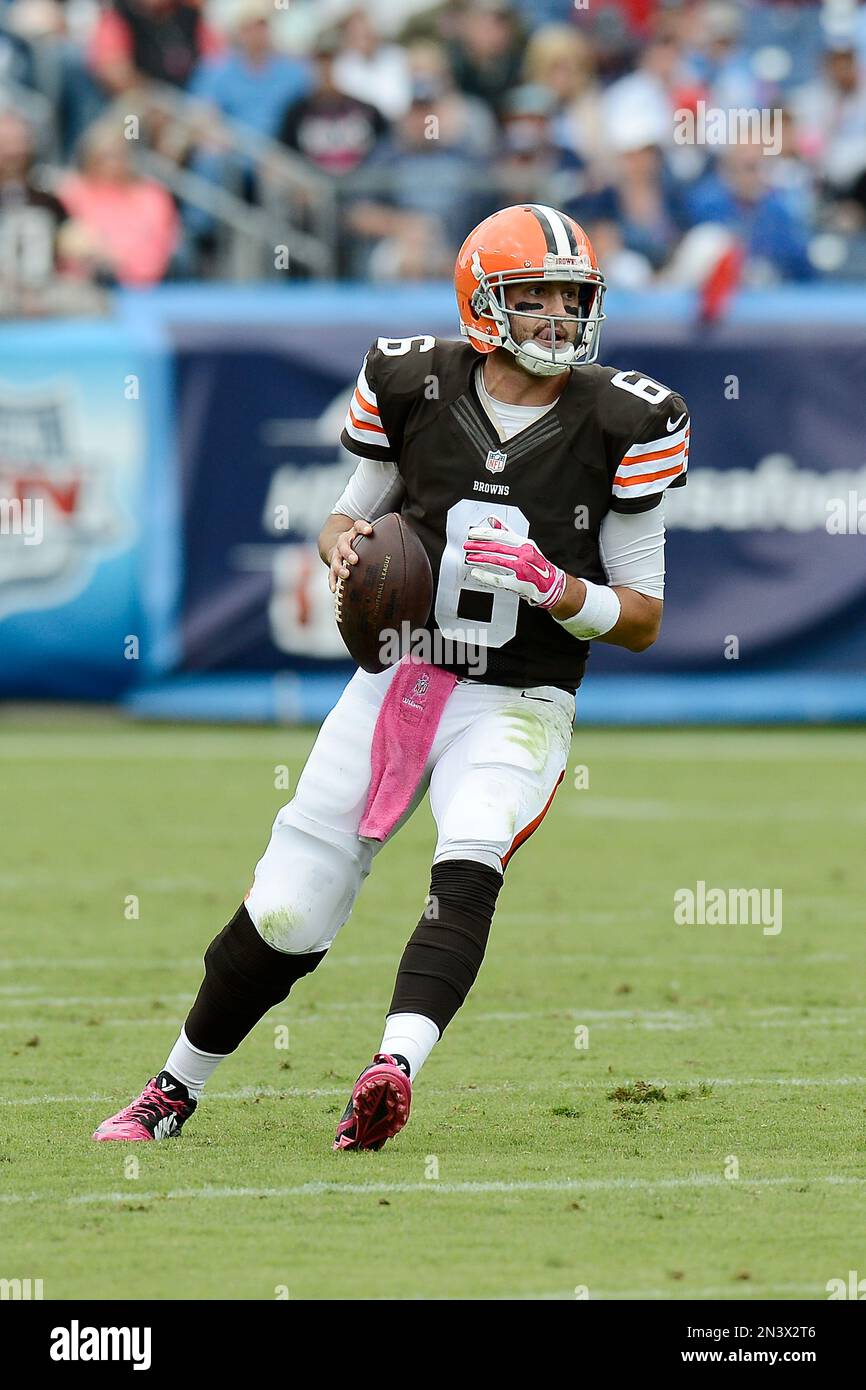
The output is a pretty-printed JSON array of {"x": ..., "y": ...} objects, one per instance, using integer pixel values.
[
  {"x": 333, "y": 131},
  {"x": 532, "y": 167},
  {"x": 252, "y": 82}
]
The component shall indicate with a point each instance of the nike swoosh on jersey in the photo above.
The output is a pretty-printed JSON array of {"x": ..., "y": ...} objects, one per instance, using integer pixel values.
[{"x": 673, "y": 424}]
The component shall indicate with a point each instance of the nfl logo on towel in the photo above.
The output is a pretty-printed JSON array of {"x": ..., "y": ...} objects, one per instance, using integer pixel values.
[{"x": 495, "y": 461}]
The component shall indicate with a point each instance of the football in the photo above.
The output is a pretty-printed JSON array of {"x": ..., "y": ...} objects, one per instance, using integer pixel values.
[{"x": 391, "y": 585}]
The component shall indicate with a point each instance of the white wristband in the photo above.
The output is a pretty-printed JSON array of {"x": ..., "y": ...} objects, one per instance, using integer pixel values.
[{"x": 600, "y": 612}]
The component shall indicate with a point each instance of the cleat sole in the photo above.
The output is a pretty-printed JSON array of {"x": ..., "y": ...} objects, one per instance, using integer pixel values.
[{"x": 380, "y": 1109}]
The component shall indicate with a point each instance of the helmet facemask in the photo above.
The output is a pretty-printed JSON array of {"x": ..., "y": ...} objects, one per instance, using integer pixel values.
[{"x": 488, "y": 301}]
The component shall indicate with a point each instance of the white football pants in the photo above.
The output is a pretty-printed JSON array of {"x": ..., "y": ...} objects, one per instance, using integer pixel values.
[{"x": 496, "y": 760}]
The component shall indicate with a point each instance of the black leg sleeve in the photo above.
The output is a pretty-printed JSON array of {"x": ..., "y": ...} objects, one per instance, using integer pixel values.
[
  {"x": 243, "y": 978},
  {"x": 445, "y": 951}
]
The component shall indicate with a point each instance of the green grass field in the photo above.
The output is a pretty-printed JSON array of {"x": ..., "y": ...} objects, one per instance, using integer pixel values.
[{"x": 530, "y": 1167}]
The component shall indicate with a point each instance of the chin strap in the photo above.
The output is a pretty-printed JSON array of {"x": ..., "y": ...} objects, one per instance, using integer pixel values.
[{"x": 536, "y": 359}]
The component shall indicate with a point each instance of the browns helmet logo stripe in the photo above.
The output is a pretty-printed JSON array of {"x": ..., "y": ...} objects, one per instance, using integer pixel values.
[{"x": 558, "y": 234}]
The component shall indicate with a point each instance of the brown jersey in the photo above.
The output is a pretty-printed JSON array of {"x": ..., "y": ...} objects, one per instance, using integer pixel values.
[{"x": 612, "y": 441}]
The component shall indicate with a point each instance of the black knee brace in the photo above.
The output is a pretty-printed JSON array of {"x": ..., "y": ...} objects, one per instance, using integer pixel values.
[
  {"x": 243, "y": 978},
  {"x": 445, "y": 951}
]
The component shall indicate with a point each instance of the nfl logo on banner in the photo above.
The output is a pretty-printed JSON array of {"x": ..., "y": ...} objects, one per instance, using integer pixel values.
[{"x": 495, "y": 461}]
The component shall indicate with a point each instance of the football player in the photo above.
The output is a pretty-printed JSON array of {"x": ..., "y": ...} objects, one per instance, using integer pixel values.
[{"x": 535, "y": 480}]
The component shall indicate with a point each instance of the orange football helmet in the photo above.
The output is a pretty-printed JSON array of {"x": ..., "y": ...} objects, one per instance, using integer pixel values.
[{"x": 528, "y": 243}]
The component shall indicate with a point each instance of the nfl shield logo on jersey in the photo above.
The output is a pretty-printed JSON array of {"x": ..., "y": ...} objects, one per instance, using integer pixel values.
[{"x": 495, "y": 461}]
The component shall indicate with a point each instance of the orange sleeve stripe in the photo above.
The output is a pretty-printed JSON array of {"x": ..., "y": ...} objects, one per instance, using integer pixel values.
[
  {"x": 365, "y": 405},
  {"x": 365, "y": 424},
  {"x": 659, "y": 454},
  {"x": 648, "y": 477}
]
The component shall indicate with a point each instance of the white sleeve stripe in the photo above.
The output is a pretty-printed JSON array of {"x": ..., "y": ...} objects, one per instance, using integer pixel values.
[
  {"x": 361, "y": 414},
  {"x": 636, "y": 468},
  {"x": 667, "y": 441},
  {"x": 366, "y": 434},
  {"x": 652, "y": 485}
]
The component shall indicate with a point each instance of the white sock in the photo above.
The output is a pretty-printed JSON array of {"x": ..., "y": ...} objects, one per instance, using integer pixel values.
[
  {"x": 412, "y": 1036},
  {"x": 191, "y": 1066}
]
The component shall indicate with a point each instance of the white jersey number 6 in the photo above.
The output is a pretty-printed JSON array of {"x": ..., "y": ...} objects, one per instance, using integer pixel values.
[{"x": 454, "y": 578}]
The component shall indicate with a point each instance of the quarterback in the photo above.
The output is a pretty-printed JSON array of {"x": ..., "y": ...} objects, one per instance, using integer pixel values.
[{"x": 534, "y": 479}]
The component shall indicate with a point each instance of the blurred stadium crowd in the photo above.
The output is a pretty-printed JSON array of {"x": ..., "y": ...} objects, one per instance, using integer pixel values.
[{"x": 152, "y": 140}]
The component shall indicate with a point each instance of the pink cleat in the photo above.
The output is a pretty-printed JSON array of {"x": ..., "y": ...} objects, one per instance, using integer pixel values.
[
  {"x": 159, "y": 1113},
  {"x": 378, "y": 1107}
]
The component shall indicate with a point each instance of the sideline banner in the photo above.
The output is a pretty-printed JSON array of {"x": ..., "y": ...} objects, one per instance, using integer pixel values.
[
  {"x": 766, "y": 560},
  {"x": 73, "y": 432}
]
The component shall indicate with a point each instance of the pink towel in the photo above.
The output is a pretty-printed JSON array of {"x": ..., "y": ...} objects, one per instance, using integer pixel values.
[{"x": 402, "y": 740}]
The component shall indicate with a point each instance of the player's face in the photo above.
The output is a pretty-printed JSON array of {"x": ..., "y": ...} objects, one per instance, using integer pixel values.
[{"x": 557, "y": 298}]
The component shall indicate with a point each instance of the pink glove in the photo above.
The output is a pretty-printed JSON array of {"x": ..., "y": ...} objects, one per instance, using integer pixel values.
[{"x": 501, "y": 559}]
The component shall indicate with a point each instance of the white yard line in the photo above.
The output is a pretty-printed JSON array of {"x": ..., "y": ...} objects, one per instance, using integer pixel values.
[
  {"x": 737, "y": 1290},
  {"x": 443, "y": 1189}
]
